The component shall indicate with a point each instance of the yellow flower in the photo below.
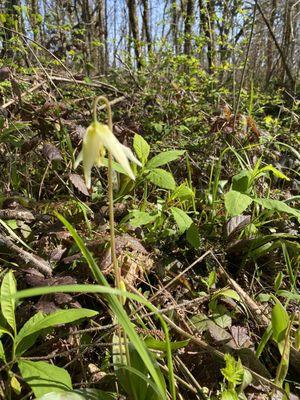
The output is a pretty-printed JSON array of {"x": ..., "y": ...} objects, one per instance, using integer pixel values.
[{"x": 97, "y": 138}]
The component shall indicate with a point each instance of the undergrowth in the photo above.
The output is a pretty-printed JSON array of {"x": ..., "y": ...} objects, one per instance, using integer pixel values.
[{"x": 203, "y": 298}]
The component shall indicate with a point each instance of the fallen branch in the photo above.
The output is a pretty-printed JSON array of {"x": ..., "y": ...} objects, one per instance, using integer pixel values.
[
  {"x": 29, "y": 259},
  {"x": 80, "y": 82},
  {"x": 20, "y": 215},
  {"x": 31, "y": 90}
]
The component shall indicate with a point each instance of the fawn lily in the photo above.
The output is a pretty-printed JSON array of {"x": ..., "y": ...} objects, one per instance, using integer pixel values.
[{"x": 97, "y": 139}]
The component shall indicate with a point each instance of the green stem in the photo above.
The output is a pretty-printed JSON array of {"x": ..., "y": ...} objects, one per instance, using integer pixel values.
[{"x": 110, "y": 190}]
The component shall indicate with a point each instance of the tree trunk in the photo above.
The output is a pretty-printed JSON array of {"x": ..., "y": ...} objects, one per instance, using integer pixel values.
[
  {"x": 102, "y": 32},
  {"x": 207, "y": 15},
  {"x": 134, "y": 27},
  {"x": 86, "y": 19},
  {"x": 188, "y": 24},
  {"x": 6, "y": 36},
  {"x": 174, "y": 25},
  {"x": 146, "y": 25},
  {"x": 270, "y": 42}
]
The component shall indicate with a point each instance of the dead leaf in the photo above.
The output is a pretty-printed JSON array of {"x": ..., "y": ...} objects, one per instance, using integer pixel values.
[
  {"x": 236, "y": 224},
  {"x": 79, "y": 184},
  {"x": 51, "y": 152},
  {"x": 240, "y": 336}
]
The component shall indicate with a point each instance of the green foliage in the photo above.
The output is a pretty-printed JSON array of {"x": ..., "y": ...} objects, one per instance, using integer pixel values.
[{"x": 41, "y": 376}]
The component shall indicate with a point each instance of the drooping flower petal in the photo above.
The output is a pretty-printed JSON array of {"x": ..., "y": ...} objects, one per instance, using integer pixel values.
[
  {"x": 115, "y": 148},
  {"x": 97, "y": 138},
  {"x": 131, "y": 156},
  {"x": 91, "y": 151}
]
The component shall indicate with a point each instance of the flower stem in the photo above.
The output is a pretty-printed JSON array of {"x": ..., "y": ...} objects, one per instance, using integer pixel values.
[{"x": 110, "y": 190}]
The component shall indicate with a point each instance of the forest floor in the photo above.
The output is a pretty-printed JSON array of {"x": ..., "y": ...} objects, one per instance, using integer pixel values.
[{"x": 208, "y": 232}]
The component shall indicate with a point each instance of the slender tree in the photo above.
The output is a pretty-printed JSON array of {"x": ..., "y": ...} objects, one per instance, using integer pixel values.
[{"x": 134, "y": 28}]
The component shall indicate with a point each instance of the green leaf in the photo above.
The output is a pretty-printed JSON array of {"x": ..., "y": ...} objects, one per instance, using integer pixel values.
[
  {"x": 164, "y": 158},
  {"x": 83, "y": 394},
  {"x": 162, "y": 346},
  {"x": 183, "y": 220},
  {"x": 140, "y": 218},
  {"x": 63, "y": 396},
  {"x": 230, "y": 293},
  {"x": 277, "y": 205},
  {"x": 275, "y": 171},
  {"x": 161, "y": 178},
  {"x": 8, "y": 303},
  {"x": 264, "y": 340},
  {"x": 229, "y": 395},
  {"x": 193, "y": 236},
  {"x": 212, "y": 278},
  {"x": 183, "y": 192},
  {"x": 2, "y": 353},
  {"x": 44, "y": 378},
  {"x": 15, "y": 385},
  {"x": 280, "y": 321},
  {"x": 233, "y": 371},
  {"x": 278, "y": 280},
  {"x": 236, "y": 202},
  {"x": 241, "y": 181},
  {"x": 39, "y": 321},
  {"x": 141, "y": 147}
]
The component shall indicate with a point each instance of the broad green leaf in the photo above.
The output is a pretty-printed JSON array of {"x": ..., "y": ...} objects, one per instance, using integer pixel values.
[
  {"x": 183, "y": 220},
  {"x": 141, "y": 147},
  {"x": 241, "y": 181},
  {"x": 275, "y": 171},
  {"x": 63, "y": 396},
  {"x": 280, "y": 321},
  {"x": 82, "y": 394},
  {"x": 140, "y": 218},
  {"x": 277, "y": 205},
  {"x": 226, "y": 293},
  {"x": 164, "y": 158},
  {"x": 183, "y": 192},
  {"x": 236, "y": 202},
  {"x": 43, "y": 377},
  {"x": 161, "y": 178},
  {"x": 40, "y": 321},
  {"x": 8, "y": 302},
  {"x": 193, "y": 236}
]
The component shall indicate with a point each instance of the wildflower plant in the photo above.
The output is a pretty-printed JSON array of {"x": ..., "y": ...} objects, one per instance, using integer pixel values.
[{"x": 97, "y": 139}]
